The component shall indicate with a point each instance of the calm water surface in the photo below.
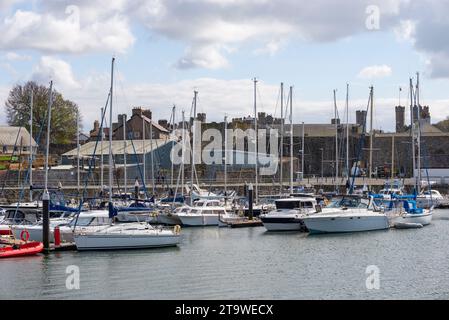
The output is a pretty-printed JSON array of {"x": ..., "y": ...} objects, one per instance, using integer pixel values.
[{"x": 213, "y": 263}]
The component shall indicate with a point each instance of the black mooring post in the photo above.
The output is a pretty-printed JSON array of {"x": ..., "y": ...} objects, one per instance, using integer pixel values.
[
  {"x": 46, "y": 220},
  {"x": 136, "y": 190},
  {"x": 250, "y": 202}
]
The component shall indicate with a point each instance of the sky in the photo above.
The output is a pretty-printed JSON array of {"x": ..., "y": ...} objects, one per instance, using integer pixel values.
[{"x": 166, "y": 49}]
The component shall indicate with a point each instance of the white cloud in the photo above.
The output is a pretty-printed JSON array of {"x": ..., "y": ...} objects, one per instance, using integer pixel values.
[
  {"x": 378, "y": 71},
  {"x": 13, "y": 56},
  {"x": 48, "y": 33},
  {"x": 50, "y": 68}
]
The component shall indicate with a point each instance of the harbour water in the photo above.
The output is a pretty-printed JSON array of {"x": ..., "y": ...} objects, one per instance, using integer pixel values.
[{"x": 213, "y": 263}]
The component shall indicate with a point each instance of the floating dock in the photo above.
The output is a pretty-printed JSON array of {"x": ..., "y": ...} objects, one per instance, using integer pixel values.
[{"x": 245, "y": 223}]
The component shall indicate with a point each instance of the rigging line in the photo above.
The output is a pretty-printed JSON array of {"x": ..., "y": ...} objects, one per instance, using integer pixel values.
[
  {"x": 360, "y": 149},
  {"x": 92, "y": 160}
]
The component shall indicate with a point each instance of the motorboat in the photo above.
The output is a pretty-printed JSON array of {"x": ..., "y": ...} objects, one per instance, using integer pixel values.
[
  {"x": 348, "y": 214},
  {"x": 15, "y": 217},
  {"x": 288, "y": 213},
  {"x": 203, "y": 213},
  {"x": 21, "y": 250},
  {"x": 170, "y": 217},
  {"x": 127, "y": 236},
  {"x": 429, "y": 198}
]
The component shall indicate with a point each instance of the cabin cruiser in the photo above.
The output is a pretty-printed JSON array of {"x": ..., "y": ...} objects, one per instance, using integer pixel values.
[
  {"x": 127, "y": 236},
  {"x": 429, "y": 198},
  {"x": 348, "y": 214},
  {"x": 15, "y": 217},
  {"x": 169, "y": 217},
  {"x": 288, "y": 213},
  {"x": 391, "y": 190},
  {"x": 203, "y": 213}
]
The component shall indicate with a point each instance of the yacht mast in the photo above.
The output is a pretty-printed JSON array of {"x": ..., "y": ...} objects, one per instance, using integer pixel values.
[
  {"x": 101, "y": 153},
  {"x": 347, "y": 130},
  {"x": 225, "y": 159},
  {"x": 371, "y": 133},
  {"x": 173, "y": 132},
  {"x": 419, "y": 132},
  {"x": 336, "y": 137},
  {"x": 110, "y": 133},
  {"x": 125, "y": 145},
  {"x": 302, "y": 152},
  {"x": 78, "y": 150},
  {"x": 412, "y": 126},
  {"x": 183, "y": 137},
  {"x": 30, "y": 162},
  {"x": 291, "y": 139},
  {"x": 152, "y": 156},
  {"x": 193, "y": 147},
  {"x": 144, "y": 151},
  {"x": 256, "y": 137},
  {"x": 281, "y": 178}
]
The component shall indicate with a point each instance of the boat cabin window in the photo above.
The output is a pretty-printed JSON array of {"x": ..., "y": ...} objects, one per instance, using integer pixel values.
[
  {"x": 213, "y": 204},
  {"x": 82, "y": 222},
  {"x": 293, "y": 204}
]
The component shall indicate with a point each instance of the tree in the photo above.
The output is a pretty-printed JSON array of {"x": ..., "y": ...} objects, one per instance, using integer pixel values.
[{"x": 63, "y": 114}]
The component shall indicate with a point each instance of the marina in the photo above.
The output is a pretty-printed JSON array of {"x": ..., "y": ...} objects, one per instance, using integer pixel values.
[
  {"x": 223, "y": 150},
  {"x": 249, "y": 263}
]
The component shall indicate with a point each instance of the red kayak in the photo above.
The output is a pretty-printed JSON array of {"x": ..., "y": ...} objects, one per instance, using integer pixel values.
[{"x": 21, "y": 250}]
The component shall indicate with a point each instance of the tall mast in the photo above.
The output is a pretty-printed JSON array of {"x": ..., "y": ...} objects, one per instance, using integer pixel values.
[
  {"x": 195, "y": 94},
  {"x": 412, "y": 126},
  {"x": 336, "y": 138},
  {"x": 30, "y": 162},
  {"x": 371, "y": 133},
  {"x": 225, "y": 159},
  {"x": 183, "y": 152},
  {"x": 101, "y": 153},
  {"x": 152, "y": 156},
  {"x": 256, "y": 137},
  {"x": 78, "y": 150},
  {"x": 144, "y": 151},
  {"x": 47, "y": 149},
  {"x": 110, "y": 132},
  {"x": 419, "y": 132},
  {"x": 347, "y": 130},
  {"x": 302, "y": 152},
  {"x": 173, "y": 131},
  {"x": 125, "y": 145},
  {"x": 281, "y": 177},
  {"x": 291, "y": 139}
]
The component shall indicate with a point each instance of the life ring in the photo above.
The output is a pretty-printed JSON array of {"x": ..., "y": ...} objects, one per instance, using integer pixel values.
[
  {"x": 177, "y": 229},
  {"x": 24, "y": 235}
]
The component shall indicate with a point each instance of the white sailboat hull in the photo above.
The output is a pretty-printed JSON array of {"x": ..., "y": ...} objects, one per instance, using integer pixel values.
[
  {"x": 124, "y": 241},
  {"x": 198, "y": 220},
  {"x": 341, "y": 224}
]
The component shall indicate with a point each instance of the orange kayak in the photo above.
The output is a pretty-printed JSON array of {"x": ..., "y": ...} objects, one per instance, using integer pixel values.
[{"x": 21, "y": 250}]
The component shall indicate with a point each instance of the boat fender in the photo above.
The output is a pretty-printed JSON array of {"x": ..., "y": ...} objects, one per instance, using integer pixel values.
[
  {"x": 24, "y": 235},
  {"x": 177, "y": 229}
]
